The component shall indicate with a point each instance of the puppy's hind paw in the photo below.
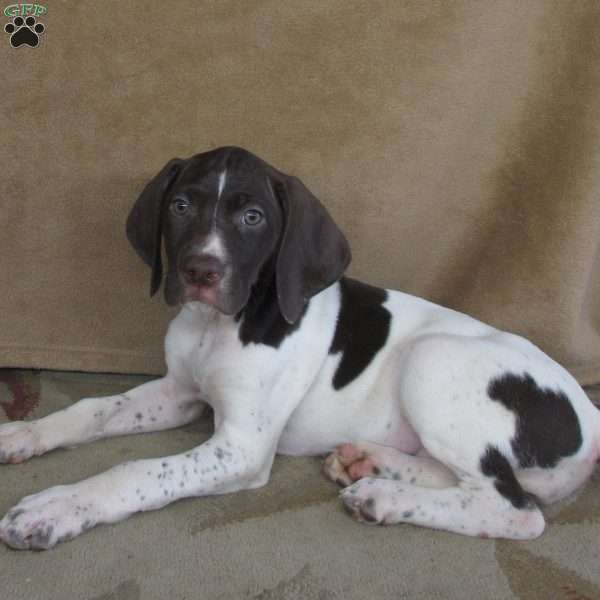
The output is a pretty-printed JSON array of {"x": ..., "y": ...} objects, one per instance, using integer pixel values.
[
  {"x": 348, "y": 463},
  {"x": 360, "y": 504}
]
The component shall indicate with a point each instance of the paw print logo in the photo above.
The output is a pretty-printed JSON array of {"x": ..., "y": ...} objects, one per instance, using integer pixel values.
[{"x": 24, "y": 31}]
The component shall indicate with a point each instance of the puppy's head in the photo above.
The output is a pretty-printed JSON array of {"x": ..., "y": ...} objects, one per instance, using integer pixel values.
[{"x": 224, "y": 216}]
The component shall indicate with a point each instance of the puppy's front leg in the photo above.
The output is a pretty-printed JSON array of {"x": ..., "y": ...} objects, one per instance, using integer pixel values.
[
  {"x": 231, "y": 460},
  {"x": 153, "y": 406}
]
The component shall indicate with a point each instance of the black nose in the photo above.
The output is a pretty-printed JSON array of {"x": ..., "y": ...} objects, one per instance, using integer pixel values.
[{"x": 201, "y": 269}]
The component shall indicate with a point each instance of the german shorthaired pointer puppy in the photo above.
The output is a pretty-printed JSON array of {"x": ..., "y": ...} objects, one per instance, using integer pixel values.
[{"x": 428, "y": 416}]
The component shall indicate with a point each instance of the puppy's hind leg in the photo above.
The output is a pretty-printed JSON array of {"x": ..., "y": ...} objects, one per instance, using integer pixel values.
[{"x": 473, "y": 508}]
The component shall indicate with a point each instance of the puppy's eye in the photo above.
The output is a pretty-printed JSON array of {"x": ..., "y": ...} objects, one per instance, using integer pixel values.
[
  {"x": 180, "y": 206},
  {"x": 252, "y": 217}
]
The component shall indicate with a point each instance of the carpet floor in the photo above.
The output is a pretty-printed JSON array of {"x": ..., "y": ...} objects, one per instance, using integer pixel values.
[{"x": 289, "y": 540}]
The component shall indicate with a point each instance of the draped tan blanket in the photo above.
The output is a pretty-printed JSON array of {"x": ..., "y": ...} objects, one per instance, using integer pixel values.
[{"x": 457, "y": 144}]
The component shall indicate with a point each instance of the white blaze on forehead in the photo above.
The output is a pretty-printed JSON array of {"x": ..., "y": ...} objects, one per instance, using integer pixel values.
[{"x": 222, "y": 180}]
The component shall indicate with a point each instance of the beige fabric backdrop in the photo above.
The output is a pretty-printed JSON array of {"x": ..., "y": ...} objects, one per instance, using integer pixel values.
[{"x": 457, "y": 143}]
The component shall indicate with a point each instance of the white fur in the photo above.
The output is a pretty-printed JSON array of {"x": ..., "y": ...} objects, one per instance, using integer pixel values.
[
  {"x": 214, "y": 246},
  {"x": 222, "y": 181},
  {"x": 424, "y": 393}
]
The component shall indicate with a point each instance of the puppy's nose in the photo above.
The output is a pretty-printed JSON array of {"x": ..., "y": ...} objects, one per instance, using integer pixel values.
[{"x": 202, "y": 269}]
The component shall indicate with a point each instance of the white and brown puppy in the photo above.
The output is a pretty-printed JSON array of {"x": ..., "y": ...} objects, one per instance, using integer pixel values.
[{"x": 432, "y": 417}]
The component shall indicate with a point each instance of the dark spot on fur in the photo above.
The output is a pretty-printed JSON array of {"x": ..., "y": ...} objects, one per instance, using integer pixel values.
[
  {"x": 41, "y": 538},
  {"x": 138, "y": 416},
  {"x": 348, "y": 509},
  {"x": 87, "y": 524},
  {"x": 376, "y": 470},
  {"x": 407, "y": 514},
  {"x": 261, "y": 318},
  {"x": 494, "y": 464},
  {"x": 13, "y": 514},
  {"x": 367, "y": 511},
  {"x": 547, "y": 426},
  {"x": 363, "y": 326}
]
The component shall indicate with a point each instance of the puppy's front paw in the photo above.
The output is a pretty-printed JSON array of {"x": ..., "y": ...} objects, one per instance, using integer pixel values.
[
  {"x": 40, "y": 521},
  {"x": 18, "y": 442}
]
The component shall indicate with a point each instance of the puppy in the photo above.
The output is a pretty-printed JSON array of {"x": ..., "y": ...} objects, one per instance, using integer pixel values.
[{"x": 430, "y": 417}]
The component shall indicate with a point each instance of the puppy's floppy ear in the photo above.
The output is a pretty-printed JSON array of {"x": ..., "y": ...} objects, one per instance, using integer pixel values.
[
  {"x": 313, "y": 252},
  {"x": 144, "y": 223}
]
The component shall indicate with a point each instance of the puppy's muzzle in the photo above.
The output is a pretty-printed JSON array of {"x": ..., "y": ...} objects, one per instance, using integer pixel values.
[{"x": 202, "y": 270}]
